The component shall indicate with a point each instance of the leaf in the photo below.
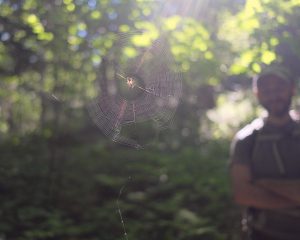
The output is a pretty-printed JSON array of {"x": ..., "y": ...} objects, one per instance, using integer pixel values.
[
  {"x": 237, "y": 68},
  {"x": 268, "y": 57},
  {"x": 141, "y": 40},
  {"x": 172, "y": 22},
  {"x": 96, "y": 15},
  {"x": 130, "y": 52}
]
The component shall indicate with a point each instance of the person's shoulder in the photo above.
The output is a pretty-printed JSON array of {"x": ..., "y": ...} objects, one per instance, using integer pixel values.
[
  {"x": 242, "y": 143},
  {"x": 249, "y": 130},
  {"x": 295, "y": 115}
]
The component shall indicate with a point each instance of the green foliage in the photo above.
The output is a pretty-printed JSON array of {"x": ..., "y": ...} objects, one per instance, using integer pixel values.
[
  {"x": 53, "y": 54},
  {"x": 262, "y": 33},
  {"x": 75, "y": 191},
  {"x": 62, "y": 48}
]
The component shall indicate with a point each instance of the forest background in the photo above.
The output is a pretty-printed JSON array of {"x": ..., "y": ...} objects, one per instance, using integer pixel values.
[{"x": 62, "y": 178}]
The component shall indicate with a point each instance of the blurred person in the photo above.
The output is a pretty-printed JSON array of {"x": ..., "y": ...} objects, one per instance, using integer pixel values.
[{"x": 265, "y": 162}]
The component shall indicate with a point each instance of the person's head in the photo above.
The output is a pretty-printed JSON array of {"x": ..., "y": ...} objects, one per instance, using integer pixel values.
[{"x": 274, "y": 89}]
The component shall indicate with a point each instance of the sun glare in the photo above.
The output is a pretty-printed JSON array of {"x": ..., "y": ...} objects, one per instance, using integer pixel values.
[{"x": 188, "y": 8}]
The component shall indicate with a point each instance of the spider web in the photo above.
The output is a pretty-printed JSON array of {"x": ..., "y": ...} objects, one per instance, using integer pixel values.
[{"x": 143, "y": 88}]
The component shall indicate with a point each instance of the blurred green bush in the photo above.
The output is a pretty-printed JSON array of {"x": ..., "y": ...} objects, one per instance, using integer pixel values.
[{"x": 60, "y": 188}]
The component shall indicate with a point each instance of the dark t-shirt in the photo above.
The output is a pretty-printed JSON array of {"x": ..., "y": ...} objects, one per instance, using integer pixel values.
[{"x": 271, "y": 152}]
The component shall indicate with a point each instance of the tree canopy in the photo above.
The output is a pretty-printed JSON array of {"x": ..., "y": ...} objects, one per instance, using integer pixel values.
[
  {"x": 53, "y": 52},
  {"x": 60, "y": 177}
]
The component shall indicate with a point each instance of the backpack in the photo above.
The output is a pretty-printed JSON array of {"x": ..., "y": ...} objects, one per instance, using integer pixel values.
[{"x": 282, "y": 224}]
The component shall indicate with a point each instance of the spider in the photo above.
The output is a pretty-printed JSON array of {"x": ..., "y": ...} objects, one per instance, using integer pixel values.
[{"x": 130, "y": 82}]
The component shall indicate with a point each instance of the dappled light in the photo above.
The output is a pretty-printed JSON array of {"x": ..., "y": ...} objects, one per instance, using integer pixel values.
[{"x": 116, "y": 116}]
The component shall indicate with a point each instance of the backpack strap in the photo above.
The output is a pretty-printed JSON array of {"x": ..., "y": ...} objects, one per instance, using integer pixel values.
[{"x": 273, "y": 138}]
